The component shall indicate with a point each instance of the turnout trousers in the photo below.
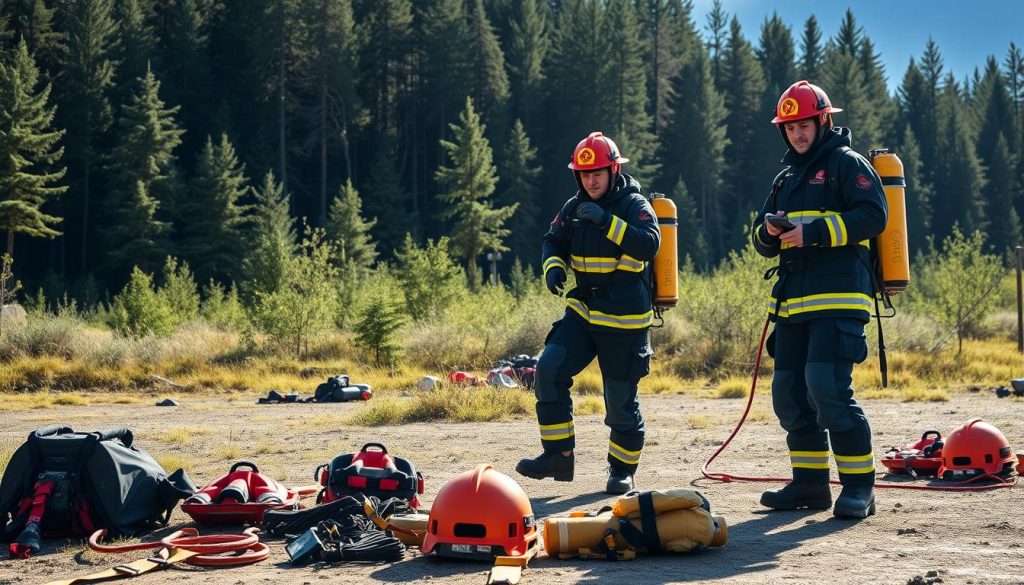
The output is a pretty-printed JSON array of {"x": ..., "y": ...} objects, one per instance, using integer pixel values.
[
  {"x": 813, "y": 399},
  {"x": 624, "y": 359}
]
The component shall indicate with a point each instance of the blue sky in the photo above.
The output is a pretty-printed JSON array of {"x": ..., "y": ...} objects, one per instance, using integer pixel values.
[{"x": 966, "y": 32}]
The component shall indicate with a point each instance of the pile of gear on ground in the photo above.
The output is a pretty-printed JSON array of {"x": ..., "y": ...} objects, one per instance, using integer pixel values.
[{"x": 100, "y": 485}]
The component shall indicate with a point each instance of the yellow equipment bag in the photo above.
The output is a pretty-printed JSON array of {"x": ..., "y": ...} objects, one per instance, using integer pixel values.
[{"x": 675, "y": 520}]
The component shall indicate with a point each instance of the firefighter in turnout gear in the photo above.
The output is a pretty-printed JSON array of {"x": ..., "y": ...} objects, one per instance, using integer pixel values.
[
  {"x": 608, "y": 234},
  {"x": 834, "y": 203}
]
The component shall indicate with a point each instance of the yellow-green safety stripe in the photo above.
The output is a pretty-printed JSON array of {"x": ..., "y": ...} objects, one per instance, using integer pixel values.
[
  {"x": 607, "y": 320},
  {"x": 557, "y": 431},
  {"x": 622, "y": 454},
  {"x": 604, "y": 265},
  {"x": 809, "y": 459},
  {"x": 834, "y": 221},
  {"x": 552, "y": 262},
  {"x": 822, "y": 302},
  {"x": 616, "y": 230},
  {"x": 855, "y": 464}
]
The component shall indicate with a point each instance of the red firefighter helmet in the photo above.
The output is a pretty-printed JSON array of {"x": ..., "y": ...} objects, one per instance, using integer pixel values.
[
  {"x": 976, "y": 448},
  {"x": 801, "y": 101},
  {"x": 597, "y": 151},
  {"x": 481, "y": 514}
]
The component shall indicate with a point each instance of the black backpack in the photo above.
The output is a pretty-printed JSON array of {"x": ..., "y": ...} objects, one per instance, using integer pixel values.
[{"x": 62, "y": 483}]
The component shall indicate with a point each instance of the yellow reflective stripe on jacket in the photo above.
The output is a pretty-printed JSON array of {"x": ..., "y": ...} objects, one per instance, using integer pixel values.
[
  {"x": 616, "y": 230},
  {"x": 605, "y": 265},
  {"x": 855, "y": 463},
  {"x": 836, "y": 230},
  {"x": 809, "y": 459},
  {"x": 622, "y": 454},
  {"x": 757, "y": 234},
  {"x": 822, "y": 302},
  {"x": 835, "y": 223},
  {"x": 557, "y": 431},
  {"x": 607, "y": 320},
  {"x": 552, "y": 262}
]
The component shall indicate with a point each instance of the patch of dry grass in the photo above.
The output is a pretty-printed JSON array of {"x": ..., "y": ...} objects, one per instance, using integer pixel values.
[
  {"x": 448, "y": 404},
  {"x": 588, "y": 405},
  {"x": 732, "y": 388},
  {"x": 698, "y": 421}
]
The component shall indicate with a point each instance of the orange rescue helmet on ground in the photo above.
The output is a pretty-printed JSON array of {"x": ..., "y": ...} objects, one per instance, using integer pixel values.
[
  {"x": 974, "y": 449},
  {"x": 481, "y": 514},
  {"x": 803, "y": 100},
  {"x": 597, "y": 151}
]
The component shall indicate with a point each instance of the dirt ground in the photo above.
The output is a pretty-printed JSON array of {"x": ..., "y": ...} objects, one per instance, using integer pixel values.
[{"x": 916, "y": 537}]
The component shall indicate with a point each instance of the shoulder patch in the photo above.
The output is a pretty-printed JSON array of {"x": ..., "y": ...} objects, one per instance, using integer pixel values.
[
  {"x": 864, "y": 182},
  {"x": 644, "y": 216},
  {"x": 819, "y": 178}
]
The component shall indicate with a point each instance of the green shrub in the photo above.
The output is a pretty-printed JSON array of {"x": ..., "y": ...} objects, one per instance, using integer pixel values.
[
  {"x": 431, "y": 279},
  {"x": 377, "y": 332},
  {"x": 179, "y": 291},
  {"x": 138, "y": 309},
  {"x": 44, "y": 334},
  {"x": 223, "y": 309}
]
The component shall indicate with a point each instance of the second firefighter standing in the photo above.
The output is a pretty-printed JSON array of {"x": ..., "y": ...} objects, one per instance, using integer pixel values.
[
  {"x": 820, "y": 302},
  {"x": 608, "y": 234}
]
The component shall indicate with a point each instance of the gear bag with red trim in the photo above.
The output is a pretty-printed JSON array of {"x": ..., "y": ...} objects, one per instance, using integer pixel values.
[
  {"x": 60, "y": 483},
  {"x": 371, "y": 472}
]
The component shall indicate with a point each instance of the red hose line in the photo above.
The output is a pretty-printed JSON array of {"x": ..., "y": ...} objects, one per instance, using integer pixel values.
[
  {"x": 728, "y": 478},
  {"x": 246, "y": 547}
]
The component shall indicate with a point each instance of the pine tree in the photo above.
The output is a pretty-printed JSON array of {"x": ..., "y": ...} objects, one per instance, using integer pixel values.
[
  {"x": 527, "y": 50},
  {"x": 136, "y": 47},
  {"x": 847, "y": 85},
  {"x": 519, "y": 175},
  {"x": 958, "y": 175},
  {"x": 446, "y": 73},
  {"x": 625, "y": 88},
  {"x": 140, "y": 172},
  {"x": 699, "y": 118},
  {"x": 918, "y": 195},
  {"x": 693, "y": 246},
  {"x": 386, "y": 198},
  {"x": 811, "y": 53},
  {"x": 743, "y": 86},
  {"x": 672, "y": 37},
  {"x": 882, "y": 125},
  {"x": 211, "y": 235},
  {"x": 86, "y": 111},
  {"x": 273, "y": 238},
  {"x": 387, "y": 28},
  {"x": 350, "y": 230},
  {"x": 489, "y": 86},
  {"x": 997, "y": 117},
  {"x": 1000, "y": 193},
  {"x": 187, "y": 70},
  {"x": 33, "y": 21},
  {"x": 579, "y": 63},
  {"x": 717, "y": 22},
  {"x": 328, "y": 80},
  {"x": 467, "y": 187},
  {"x": 377, "y": 332},
  {"x": 29, "y": 150}
]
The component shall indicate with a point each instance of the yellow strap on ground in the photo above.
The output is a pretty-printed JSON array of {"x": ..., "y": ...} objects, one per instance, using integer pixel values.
[
  {"x": 508, "y": 570},
  {"x": 161, "y": 560}
]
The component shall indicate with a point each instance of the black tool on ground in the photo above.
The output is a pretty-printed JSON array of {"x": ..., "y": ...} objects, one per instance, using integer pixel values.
[
  {"x": 372, "y": 472},
  {"x": 340, "y": 389},
  {"x": 357, "y": 539},
  {"x": 290, "y": 523},
  {"x": 779, "y": 222}
]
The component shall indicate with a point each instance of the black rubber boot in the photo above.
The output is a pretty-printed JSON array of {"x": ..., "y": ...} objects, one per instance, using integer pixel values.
[
  {"x": 619, "y": 482},
  {"x": 548, "y": 464},
  {"x": 855, "y": 501},
  {"x": 815, "y": 496}
]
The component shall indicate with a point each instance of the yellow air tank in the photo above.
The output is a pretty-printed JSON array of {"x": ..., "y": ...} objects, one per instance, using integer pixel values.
[
  {"x": 666, "y": 262},
  {"x": 893, "y": 252}
]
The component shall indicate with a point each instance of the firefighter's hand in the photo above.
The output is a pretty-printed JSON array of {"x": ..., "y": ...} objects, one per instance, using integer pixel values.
[
  {"x": 794, "y": 237},
  {"x": 772, "y": 230},
  {"x": 591, "y": 212},
  {"x": 555, "y": 280}
]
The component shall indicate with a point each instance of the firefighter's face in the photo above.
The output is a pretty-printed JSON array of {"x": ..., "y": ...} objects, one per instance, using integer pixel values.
[
  {"x": 596, "y": 182},
  {"x": 801, "y": 134}
]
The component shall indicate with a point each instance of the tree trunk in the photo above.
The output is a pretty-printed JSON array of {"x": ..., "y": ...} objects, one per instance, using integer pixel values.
[
  {"x": 281, "y": 119},
  {"x": 10, "y": 241},
  {"x": 323, "y": 153},
  {"x": 85, "y": 218}
]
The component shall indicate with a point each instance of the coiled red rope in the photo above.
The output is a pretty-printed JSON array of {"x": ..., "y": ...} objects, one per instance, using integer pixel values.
[
  {"x": 727, "y": 478},
  {"x": 212, "y": 550}
]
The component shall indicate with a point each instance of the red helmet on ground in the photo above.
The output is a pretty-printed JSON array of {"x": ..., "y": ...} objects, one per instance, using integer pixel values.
[
  {"x": 974, "y": 449},
  {"x": 801, "y": 101},
  {"x": 597, "y": 151},
  {"x": 481, "y": 514}
]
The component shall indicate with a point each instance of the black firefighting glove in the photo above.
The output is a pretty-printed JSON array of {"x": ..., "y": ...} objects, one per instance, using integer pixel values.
[
  {"x": 555, "y": 280},
  {"x": 592, "y": 212}
]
